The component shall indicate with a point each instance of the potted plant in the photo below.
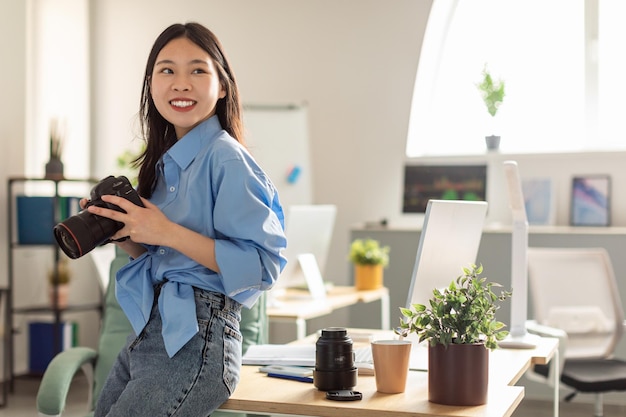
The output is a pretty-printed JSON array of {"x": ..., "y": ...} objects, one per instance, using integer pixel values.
[
  {"x": 492, "y": 92},
  {"x": 369, "y": 259},
  {"x": 127, "y": 163},
  {"x": 461, "y": 328},
  {"x": 54, "y": 166},
  {"x": 59, "y": 279}
]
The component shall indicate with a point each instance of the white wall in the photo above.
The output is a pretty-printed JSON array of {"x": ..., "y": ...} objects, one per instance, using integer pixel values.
[
  {"x": 12, "y": 113},
  {"x": 353, "y": 62},
  {"x": 12, "y": 106}
]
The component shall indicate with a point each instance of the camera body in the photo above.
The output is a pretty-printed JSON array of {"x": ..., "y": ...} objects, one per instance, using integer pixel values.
[
  {"x": 81, "y": 233},
  {"x": 119, "y": 186}
]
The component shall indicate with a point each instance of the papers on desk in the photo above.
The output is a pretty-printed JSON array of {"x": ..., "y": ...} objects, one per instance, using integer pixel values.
[
  {"x": 274, "y": 354},
  {"x": 304, "y": 355}
]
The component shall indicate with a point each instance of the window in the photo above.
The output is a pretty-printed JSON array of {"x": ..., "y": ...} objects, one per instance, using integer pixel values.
[
  {"x": 58, "y": 84},
  {"x": 561, "y": 62},
  {"x": 611, "y": 72}
]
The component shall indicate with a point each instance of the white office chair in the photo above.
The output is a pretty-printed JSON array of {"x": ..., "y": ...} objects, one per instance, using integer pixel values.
[{"x": 574, "y": 290}]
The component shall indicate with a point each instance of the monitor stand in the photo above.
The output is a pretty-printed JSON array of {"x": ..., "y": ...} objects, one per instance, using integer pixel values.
[
  {"x": 518, "y": 337},
  {"x": 312, "y": 275},
  {"x": 526, "y": 341},
  {"x": 307, "y": 266}
]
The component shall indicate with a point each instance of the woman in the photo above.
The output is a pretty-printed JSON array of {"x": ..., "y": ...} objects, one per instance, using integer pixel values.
[{"x": 208, "y": 241}]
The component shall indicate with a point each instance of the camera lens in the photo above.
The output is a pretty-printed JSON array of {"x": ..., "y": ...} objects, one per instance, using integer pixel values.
[
  {"x": 79, "y": 234},
  {"x": 67, "y": 241},
  {"x": 334, "y": 360}
]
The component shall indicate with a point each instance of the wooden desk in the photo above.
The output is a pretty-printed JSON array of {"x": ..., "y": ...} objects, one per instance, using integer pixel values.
[
  {"x": 258, "y": 393},
  {"x": 296, "y": 307}
]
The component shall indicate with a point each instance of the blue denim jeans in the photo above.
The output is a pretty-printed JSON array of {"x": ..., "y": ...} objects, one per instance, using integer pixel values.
[{"x": 144, "y": 381}]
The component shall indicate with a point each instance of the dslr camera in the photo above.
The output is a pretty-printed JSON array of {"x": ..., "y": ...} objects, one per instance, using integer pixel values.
[{"x": 79, "y": 234}]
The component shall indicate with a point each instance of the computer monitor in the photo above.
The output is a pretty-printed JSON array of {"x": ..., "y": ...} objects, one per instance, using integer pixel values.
[
  {"x": 442, "y": 182},
  {"x": 309, "y": 230},
  {"x": 448, "y": 242}
]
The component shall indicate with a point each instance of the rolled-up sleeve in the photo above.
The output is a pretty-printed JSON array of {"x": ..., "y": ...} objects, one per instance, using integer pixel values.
[{"x": 249, "y": 226}]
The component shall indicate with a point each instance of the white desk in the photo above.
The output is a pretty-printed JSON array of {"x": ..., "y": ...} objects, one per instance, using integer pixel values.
[
  {"x": 257, "y": 393},
  {"x": 296, "y": 307}
]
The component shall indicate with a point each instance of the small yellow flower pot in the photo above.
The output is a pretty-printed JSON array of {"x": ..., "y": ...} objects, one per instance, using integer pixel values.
[{"x": 368, "y": 277}]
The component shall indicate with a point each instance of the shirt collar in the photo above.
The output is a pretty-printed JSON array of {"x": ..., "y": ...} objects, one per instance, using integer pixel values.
[{"x": 186, "y": 148}]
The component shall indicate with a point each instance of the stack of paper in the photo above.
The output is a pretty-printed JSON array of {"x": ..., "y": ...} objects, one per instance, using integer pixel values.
[{"x": 274, "y": 354}]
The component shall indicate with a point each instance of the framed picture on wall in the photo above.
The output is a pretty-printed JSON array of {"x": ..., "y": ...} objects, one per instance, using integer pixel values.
[
  {"x": 539, "y": 201},
  {"x": 591, "y": 198}
]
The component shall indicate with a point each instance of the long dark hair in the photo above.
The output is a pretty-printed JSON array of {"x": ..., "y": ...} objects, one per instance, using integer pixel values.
[{"x": 158, "y": 133}]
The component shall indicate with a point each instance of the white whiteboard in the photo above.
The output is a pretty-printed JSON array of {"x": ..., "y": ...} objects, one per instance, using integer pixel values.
[{"x": 278, "y": 138}]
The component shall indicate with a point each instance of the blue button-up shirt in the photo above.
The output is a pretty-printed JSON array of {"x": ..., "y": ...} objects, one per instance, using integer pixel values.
[{"x": 209, "y": 183}]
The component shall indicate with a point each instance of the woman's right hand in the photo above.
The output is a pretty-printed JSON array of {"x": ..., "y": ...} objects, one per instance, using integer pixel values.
[{"x": 133, "y": 249}]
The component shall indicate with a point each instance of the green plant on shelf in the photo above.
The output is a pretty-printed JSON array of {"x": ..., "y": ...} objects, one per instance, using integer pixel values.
[
  {"x": 56, "y": 139},
  {"x": 62, "y": 274}
]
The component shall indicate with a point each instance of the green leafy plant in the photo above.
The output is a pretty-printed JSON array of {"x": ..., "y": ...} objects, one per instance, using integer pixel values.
[
  {"x": 126, "y": 163},
  {"x": 368, "y": 252},
  {"x": 492, "y": 91},
  {"x": 62, "y": 275},
  {"x": 56, "y": 139},
  {"x": 462, "y": 313}
]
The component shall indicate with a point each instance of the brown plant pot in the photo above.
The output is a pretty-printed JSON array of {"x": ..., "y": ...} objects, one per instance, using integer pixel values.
[
  {"x": 54, "y": 169},
  {"x": 458, "y": 374},
  {"x": 62, "y": 293},
  {"x": 368, "y": 277}
]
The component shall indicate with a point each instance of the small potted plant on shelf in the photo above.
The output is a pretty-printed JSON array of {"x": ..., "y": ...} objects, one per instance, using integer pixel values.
[
  {"x": 461, "y": 328},
  {"x": 369, "y": 259},
  {"x": 492, "y": 92},
  {"x": 59, "y": 279},
  {"x": 54, "y": 166}
]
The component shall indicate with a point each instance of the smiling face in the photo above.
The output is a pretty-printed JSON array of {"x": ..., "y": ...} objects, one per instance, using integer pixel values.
[{"x": 185, "y": 85}]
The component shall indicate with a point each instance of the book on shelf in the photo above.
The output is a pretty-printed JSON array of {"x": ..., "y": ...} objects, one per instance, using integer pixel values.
[
  {"x": 41, "y": 343},
  {"x": 36, "y": 217}
]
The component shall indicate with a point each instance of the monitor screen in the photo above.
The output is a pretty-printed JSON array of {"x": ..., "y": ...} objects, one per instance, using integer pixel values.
[
  {"x": 448, "y": 242},
  {"x": 309, "y": 230},
  {"x": 442, "y": 182}
]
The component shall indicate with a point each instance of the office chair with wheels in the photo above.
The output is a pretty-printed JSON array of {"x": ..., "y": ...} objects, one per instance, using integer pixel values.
[
  {"x": 574, "y": 290},
  {"x": 115, "y": 328}
]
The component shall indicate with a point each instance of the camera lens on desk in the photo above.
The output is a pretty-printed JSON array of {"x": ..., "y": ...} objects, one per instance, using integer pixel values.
[{"x": 334, "y": 361}]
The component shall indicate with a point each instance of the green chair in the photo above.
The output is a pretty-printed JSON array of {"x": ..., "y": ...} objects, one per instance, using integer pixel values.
[{"x": 96, "y": 364}]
